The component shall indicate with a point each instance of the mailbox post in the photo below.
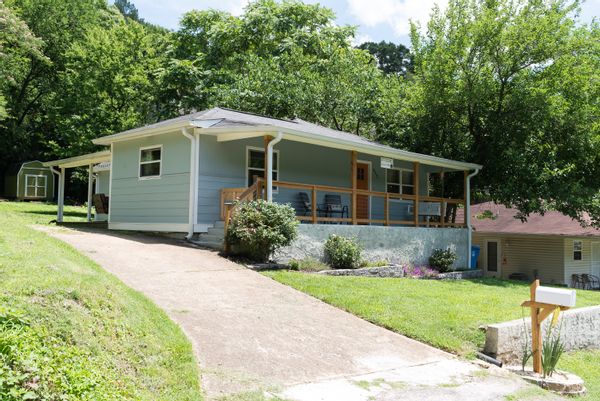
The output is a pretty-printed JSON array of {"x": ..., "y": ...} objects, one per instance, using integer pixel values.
[{"x": 544, "y": 301}]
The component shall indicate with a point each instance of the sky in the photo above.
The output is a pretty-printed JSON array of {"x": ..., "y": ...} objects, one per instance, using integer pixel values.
[{"x": 376, "y": 19}]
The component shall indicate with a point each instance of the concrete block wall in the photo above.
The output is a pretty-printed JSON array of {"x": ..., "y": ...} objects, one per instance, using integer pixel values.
[
  {"x": 394, "y": 244},
  {"x": 580, "y": 330}
]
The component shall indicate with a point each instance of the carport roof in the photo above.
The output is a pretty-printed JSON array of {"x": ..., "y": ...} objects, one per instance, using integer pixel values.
[{"x": 78, "y": 161}]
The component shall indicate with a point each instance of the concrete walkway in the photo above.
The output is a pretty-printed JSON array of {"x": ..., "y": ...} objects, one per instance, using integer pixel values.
[{"x": 251, "y": 333}]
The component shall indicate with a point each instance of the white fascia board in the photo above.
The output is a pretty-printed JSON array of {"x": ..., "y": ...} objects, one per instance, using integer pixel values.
[
  {"x": 82, "y": 160},
  {"x": 372, "y": 149},
  {"x": 142, "y": 132}
]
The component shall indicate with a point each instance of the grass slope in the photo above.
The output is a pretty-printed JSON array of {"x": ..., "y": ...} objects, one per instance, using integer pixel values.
[
  {"x": 71, "y": 331},
  {"x": 445, "y": 314}
]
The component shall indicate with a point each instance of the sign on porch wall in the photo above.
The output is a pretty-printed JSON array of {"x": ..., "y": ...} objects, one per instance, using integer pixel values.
[{"x": 387, "y": 162}]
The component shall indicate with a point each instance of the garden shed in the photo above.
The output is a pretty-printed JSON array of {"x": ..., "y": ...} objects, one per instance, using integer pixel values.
[{"x": 29, "y": 181}]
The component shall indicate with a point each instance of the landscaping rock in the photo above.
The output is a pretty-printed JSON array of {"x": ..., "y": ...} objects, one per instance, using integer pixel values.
[
  {"x": 458, "y": 275},
  {"x": 382, "y": 271},
  {"x": 563, "y": 383}
]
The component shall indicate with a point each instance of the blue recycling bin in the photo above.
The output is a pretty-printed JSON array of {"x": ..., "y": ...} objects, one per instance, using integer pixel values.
[{"x": 475, "y": 249}]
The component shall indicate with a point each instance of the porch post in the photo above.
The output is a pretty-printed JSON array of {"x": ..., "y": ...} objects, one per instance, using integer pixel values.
[
  {"x": 89, "y": 193},
  {"x": 266, "y": 139},
  {"x": 269, "y": 164},
  {"x": 61, "y": 195},
  {"x": 354, "y": 185},
  {"x": 416, "y": 166},
  {"x": 443, "y": 205},
  {"x": 466, "y": 197}
]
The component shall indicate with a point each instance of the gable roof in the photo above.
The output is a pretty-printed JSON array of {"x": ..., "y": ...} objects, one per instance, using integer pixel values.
[
  {"x": 221, "y": 120},
  {"x": 504, "y": 222}
]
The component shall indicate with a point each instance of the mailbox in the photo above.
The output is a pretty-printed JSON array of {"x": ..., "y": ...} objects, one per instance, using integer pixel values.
[{"x": 555, "y": 296}]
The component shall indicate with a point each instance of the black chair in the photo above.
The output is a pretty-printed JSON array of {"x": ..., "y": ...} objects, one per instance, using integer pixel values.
[
  {"x": 333, "y": 206},
  {"x": 577, "y": 281},
  {"x": 590, "y": 282},
  {"x": 306, "y": 204}
]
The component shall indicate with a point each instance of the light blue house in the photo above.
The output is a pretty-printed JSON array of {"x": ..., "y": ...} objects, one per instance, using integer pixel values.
[{"x": 178, "y": 175}]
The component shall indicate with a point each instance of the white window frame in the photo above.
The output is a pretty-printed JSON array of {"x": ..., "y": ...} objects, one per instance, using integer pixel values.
[
  {"x": 248, "y": 168},
  {"x": 400, "y": 184},
  {"x": 140, "y": 162},
  {"x": 36, "y": 186},
  {"x": 580, "y": 250}
]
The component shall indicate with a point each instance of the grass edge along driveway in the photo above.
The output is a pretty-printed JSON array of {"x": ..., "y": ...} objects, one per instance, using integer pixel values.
[
  {"x": 444, "y": 314},
  {"x": 70, "y": 329}
]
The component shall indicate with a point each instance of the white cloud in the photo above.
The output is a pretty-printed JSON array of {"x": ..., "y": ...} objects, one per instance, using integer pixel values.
[
  {"x": 395, "y": 13},
  {"x": 361, "y": 38}
]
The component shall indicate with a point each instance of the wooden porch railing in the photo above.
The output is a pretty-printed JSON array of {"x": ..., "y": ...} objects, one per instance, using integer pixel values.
[{"x": 447, "y": 216}]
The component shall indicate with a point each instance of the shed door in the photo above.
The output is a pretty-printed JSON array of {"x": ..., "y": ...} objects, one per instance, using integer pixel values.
[
  {"x": 492, "y": 265},
  {"x": 362, "y": 182},
  {"x": 596, "y": 258}
]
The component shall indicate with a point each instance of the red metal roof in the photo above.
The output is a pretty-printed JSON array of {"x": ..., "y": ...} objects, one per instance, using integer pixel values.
[{"x": 551, "y": 223}]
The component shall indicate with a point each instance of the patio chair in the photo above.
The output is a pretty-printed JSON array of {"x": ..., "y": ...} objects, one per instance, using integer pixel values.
[
  {"x": 591, "y": 282},
  {"x": 333, "y": 205},
  {"x": 100, "y": 202},
  {"x": 577, "y": 281},
  {"x": 306, "y": 204}
]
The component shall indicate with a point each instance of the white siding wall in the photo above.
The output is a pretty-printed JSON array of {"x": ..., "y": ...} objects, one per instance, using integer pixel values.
[{"x": 583, "y": 266}]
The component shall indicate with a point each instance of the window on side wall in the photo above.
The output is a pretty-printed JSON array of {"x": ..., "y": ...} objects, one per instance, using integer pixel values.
[
  {"x": 399, "y": 181},
  {"x": 150, "y": 162},
  {"x": 255, "y": 165},
  {"x": 577, "y": 250}
]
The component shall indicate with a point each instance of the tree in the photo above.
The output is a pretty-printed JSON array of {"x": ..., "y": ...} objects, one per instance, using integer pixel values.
[
  {"x": 391, "y": 58},
  {"x": 128, "y": 9},
  {"x": 514, "y": 86}
]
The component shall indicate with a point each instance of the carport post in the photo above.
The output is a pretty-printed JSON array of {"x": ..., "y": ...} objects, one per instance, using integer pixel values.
[
  {"x": 89, "y": 194},
  {"x": 61, "y": 195}
]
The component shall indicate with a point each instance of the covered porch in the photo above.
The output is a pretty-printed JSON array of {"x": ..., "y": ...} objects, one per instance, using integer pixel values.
[{"x": 90, "y": 160}]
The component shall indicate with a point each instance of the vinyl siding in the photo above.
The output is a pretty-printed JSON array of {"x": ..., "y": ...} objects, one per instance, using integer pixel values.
[
  {"x": 583, "y": 266},
  {"x": 223, "y": 165},
  {"x": 103, "y": 179},
  {"x": 527, "y": 254},
  {"x": 158, "y": 200}
]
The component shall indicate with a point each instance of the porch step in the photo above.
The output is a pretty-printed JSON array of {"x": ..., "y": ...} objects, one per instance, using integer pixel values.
[
  {"x": 219, "y": 224},
  {"x": 209, "y": 244},
  {"x": 214, "y": 237}
]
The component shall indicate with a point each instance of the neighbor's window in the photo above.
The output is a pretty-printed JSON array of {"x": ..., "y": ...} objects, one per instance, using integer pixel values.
[
  {"x": 35, "y": 186},
  {"x": 577, "y": 250},
  {"x": 256, "y": 165},
  {"x": 150, "y": 160},
  {"x": 400, "y": 181}
]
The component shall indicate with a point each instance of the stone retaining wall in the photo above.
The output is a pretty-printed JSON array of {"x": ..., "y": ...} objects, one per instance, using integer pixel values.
[
  {"x": 397, "y": 245},
  {"x": 382, "y": 271},
  {"x": 459, "y": 275},
  {"x": 580, "y": 330}
]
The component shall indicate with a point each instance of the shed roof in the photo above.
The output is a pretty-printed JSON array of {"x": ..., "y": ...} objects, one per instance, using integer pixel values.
[
  {"x": 221, "y": 121},
  {"x": 504, "y": 222}
]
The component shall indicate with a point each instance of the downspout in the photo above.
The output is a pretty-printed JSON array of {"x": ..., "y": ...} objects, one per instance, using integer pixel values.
[
  {"x": 468, "y": 216},
  {"x": 192, "y": 139},
  {"x": 197, "y": 175},
  {"x": 274, "y": 142}
]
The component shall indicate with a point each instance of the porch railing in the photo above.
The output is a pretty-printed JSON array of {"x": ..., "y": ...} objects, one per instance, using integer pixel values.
[{"x": 446, "y": 217}]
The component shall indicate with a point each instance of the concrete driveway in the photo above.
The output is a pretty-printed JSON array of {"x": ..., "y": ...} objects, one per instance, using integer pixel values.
[{"x": 251, "y": 333}]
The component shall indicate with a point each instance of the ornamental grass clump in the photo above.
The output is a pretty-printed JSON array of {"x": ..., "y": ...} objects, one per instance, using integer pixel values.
[
  {"x": 342, "y": 252},
  {"x": 553, "y": 347},
  {"x": 259, "y": 228}
]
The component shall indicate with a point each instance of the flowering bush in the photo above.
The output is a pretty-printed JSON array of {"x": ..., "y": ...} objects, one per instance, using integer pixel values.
[
  {"x": 260, "y": 227},
  {"x": 342, "y": 252},
  {"x": 419, "y": 271},
  {"x": 442, "y": 259}
]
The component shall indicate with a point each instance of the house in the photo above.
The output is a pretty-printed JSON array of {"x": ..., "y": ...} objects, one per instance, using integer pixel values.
[
  {"x": 225, "y": 152},
  {"x": 551, "y": 247},
  {"x": 29, "y": 181}
]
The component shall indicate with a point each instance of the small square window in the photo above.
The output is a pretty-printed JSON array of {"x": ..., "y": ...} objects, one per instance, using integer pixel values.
[
  {"x": 150, "y": 162},
  {"x": 577, "y": 250}
]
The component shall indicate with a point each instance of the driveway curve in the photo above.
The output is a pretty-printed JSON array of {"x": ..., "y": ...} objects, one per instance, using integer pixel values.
[{"x": 250, "y": 333}]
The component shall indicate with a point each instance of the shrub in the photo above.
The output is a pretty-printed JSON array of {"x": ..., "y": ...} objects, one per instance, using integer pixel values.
[
  {"x": 442, "y": 259},
  {"x": 342, "y": 252},
  {"x": 259, "y": 228},
  {"x": 307, "y": 265}
]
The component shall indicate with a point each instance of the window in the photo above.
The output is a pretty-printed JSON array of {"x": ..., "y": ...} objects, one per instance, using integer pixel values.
[
  {"x": 255, "y": 165},
  {"x": 35, "y": 186},
  {"x": 577, "y": 250},
  {"x": 400, "y": 181},
  {"x": 150, "y": 162}
]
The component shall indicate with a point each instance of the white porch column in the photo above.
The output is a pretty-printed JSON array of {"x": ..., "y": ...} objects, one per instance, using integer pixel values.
[
  {"x": 61, "y": 195},
  {"x": 89, "y": 193},
  {"x": 270, "y": 166},
  {"x": 468, "y": 215}
]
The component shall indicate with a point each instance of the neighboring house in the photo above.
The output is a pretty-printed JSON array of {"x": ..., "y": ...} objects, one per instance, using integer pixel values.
[
  {"x": 301, "y": 163},
  {"x": 29, "y": 181},
  {"x": 551, "y": 247}
]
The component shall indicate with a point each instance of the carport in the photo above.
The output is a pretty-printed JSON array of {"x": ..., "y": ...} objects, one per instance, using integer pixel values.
[{"x": 59, "y": 168}]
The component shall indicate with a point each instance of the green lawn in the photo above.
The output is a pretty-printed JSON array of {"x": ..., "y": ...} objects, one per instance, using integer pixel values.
[
  {"x": 71, "y": 331},
  {"x": 445, "y": 314}
]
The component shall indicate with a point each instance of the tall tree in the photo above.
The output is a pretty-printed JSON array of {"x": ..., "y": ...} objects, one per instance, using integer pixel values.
[
  {"x": 515, "y": 86},
  {"x": 391, "y": 58},
  {"x": 128, "y": 9}
]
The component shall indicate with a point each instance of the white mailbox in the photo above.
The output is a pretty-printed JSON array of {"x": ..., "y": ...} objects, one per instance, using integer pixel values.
[{"x": 555, "y": 296}]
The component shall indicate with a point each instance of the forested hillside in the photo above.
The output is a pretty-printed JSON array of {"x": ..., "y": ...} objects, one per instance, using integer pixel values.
[{"x": 512, "y": 85}]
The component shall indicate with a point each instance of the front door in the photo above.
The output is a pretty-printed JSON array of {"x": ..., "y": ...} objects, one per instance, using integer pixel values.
[
  {"x": 362, "y": 182},
  {"x": 596, "y": 258},
  {"x": 492, "y": 252}
]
